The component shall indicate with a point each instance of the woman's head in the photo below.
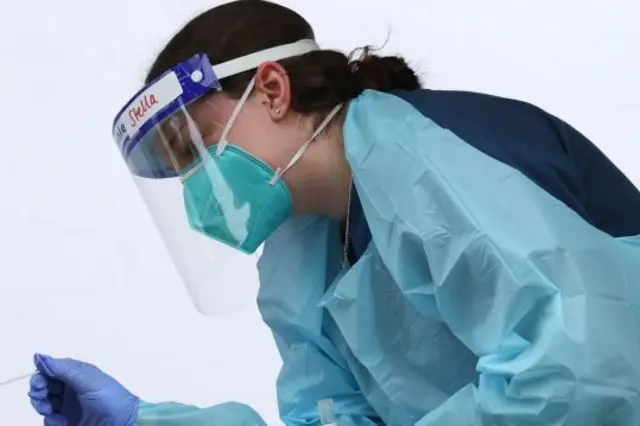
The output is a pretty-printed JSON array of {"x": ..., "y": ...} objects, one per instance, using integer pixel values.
[{"x": 291, "y": 96}]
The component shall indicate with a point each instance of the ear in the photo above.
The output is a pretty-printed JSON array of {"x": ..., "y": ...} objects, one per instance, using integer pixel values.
[{"x": 273, "y": 87}]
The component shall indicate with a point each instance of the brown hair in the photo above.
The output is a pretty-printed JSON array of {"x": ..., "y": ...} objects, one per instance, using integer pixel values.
[{"x": 319, "y": 80}]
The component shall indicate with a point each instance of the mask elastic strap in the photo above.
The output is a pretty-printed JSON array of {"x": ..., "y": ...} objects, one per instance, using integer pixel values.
[
  {"x": 222, "y": 144},
  {"x": 197, "y": 140},
  {"x": 280, "y": 172}
]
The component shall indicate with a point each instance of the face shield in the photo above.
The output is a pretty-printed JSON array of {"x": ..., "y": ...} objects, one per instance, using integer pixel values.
[{"x": 213, "y": 203}]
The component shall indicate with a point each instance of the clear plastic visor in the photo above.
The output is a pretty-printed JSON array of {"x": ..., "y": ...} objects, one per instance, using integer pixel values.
[
  {"x": 219, "y": 277},
  {"x": 168, "y": 138},
  {"x": 162, "y": 136}
]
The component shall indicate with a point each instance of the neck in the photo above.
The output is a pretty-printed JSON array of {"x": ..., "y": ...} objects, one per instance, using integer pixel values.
[
  {"x": 324, "y": 195},
  {"x": 324, "y": 187},
  {"x": 336, "y": 204}
]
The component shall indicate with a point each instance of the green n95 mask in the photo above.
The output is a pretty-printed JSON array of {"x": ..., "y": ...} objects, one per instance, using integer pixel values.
[{"x": 230, "y": 199}]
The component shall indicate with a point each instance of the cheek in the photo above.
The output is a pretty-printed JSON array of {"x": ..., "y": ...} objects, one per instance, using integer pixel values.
[
  {"x": 258, "y": 139},
  {"x": 263, "y": 149}
]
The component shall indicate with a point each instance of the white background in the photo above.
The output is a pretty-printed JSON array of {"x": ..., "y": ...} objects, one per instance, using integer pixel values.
[{"x": 83, "y": 272}]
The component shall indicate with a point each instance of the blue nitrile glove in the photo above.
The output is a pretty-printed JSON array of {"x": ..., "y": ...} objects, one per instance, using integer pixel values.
[{"x": 73, "y": 393}]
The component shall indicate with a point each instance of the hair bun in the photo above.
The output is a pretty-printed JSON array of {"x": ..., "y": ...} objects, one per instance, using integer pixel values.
[{"x": 383, "y": 73}]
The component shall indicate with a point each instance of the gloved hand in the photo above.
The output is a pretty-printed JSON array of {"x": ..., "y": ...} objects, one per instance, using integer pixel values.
[{"x": 73, "y": 393}]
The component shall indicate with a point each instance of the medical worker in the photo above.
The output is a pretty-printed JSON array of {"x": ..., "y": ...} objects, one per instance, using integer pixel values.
[{"x": 430, "y": 257}]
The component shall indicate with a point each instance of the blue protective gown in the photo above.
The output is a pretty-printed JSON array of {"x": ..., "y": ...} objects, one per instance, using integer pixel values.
[{"x": 495, "y": 277}]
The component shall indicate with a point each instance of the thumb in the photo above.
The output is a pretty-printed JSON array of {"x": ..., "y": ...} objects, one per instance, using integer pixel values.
[{"x": 67, "y": 370}]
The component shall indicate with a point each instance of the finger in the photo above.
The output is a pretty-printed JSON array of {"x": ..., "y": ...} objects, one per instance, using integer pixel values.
[
  {"x": 43, "y": 385},
  {"x": 42, "y": 407},
  {"x": 38, "y": 382},
  {"x": 39, "y": 394}
]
